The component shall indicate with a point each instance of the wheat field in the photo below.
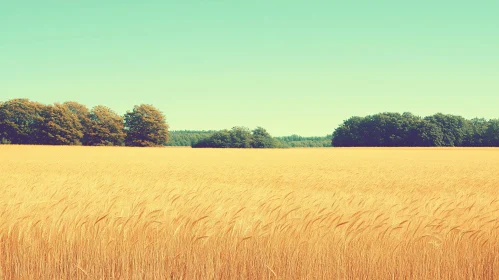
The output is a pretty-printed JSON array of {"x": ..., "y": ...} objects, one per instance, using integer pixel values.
[{"x": 181, "y": 213}]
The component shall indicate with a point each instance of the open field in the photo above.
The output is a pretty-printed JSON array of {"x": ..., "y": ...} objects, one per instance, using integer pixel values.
[{"x": 177, "y": 213}]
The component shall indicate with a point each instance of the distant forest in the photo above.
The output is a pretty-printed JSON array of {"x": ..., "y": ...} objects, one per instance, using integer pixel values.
[
  {"x": 192, "y": 137},
  {"x": 26, "y": 122},
  {"x": 379, "y": 130}
]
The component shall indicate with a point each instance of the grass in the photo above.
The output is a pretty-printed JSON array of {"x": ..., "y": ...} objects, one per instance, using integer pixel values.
[{"x": 168, "y": 213}]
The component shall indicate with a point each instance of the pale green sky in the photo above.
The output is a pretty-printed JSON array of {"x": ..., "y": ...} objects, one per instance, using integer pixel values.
[{"x": 290, "y": 66}]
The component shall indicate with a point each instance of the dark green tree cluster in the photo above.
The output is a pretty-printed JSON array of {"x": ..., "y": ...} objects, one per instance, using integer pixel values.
[
  {"x": 145, "y": 126},
  {"x": 408, "y": 130},
  {"x": 239, "y": 137},
  {"x": 26, "y": 122},
  {"x": 296, "y": 141},
  {"x": 187, "y": 137},
  {"x": 191, "y": 137}
]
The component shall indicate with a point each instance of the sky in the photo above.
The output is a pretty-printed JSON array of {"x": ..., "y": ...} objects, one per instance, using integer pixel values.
[{"x": 292, "y": 67}]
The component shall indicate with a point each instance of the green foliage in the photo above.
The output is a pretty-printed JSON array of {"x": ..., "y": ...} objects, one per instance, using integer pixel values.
[
  {"x": 238, "y": 137},
  {"x": 219, "y": 139},
  {"x": 349, "y": 133},
  {"x": 60, "y": 126},
  {"x": 428, "y": 135},
  {"x": 20, "y": 121},
  {"x": 453, "y": 128},
  {"x": 395, "y": 130},
  {"x": 187, "y": 137},
  {"x": 105, "y": 127},
  {"x": 83, "y": 114},
  {"x": 25, "y": 122},
  {"x": 476, "y": 133},
  {"x": 145, "y": 126},
  {"x": 262, "y": 139},
  {"x": 492, "y": 133},
  {"x": 296, "y": 141},
  {"x": 385, "y": 129}
]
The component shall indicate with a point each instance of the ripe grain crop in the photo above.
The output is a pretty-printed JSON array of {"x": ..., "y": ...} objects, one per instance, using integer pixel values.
[{"x": 172, "y": 213}]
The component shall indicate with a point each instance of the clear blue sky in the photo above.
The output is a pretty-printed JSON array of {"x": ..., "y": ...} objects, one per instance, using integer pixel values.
[{"x": 290, "y": 66}]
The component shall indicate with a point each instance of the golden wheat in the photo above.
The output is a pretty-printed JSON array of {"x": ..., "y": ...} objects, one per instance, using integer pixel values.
[{"x": 171, "y": 213}]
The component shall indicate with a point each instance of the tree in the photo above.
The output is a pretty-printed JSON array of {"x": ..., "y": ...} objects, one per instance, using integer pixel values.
[
  {"x": 395, "y": 130},
  {"x": 240, "y": 137},
  {"x": 349, "y": 134},
  {"x": 187, "y": 137},
  {"x": 476, "y": 132},
  {"x": 301, "y": 141},
  {"x": 389, "y": 129},
  {"x": 453, "y": 128},
  {"x": 429, "y": 135},
  {"x": 106, "y": 128},
  {"x": 145, "y": 126},
  {"x": 60, "y": 126},
  {"x": 262, "y": 139},
  {"x": 219, "y": 139},
  {"x": 492, "y": 133},
  {"x": 83, "y": 114},
  {"x": 20, "y": 121}
]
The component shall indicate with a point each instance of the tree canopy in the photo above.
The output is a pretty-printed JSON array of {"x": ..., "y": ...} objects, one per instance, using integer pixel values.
[
  {"x": 239, "y": 137},
  {"x": 105, "y": 128},
  {"x": 297, "y": 141},
  {"x": 83, "y": 114},
  {"x": 397, "y": 130},
  {"x": 187, "y": 137},
  {"x": 260, "y": 138},
  {"x": 26, "y": 122},
  {"x": 20, "y": 121},
  {"x": 60, "y": 126},
  {"x": 191, "y": 137},
  {"x": 145, "y": 126}
]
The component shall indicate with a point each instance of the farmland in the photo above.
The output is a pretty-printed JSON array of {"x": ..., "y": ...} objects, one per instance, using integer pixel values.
[{"x": 181, "y": 213}]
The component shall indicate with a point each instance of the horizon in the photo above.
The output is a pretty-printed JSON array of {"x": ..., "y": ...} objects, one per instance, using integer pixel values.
[{"x": 291, "y": 68}]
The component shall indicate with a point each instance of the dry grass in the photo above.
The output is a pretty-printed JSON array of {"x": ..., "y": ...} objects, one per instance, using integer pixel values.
[{"x": 127, "y": 213}]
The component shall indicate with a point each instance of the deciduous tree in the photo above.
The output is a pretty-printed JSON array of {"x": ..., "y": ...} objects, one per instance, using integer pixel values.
[
  {"x": 60, "y": 126},
  {"x": 492, "y": 134},
  {"x": 262, "y": 139},
  {"x": 106, "y": 128},
  {"x": 83, "y": 114},
  {"x": 145, "y": 126},
  {"x": 20, "y": 121}
]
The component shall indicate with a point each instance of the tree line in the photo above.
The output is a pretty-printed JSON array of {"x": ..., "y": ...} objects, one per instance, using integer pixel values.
[
  {"x": 192, "y": 137},
  {"x": 70, "y": 123},
  {"x": 406, "y": 130},
  {"x": 26, "y": 122},
  {"x": 296, "y": 141},
  {"x": 238, "y": 137},
  {"x": 187, "y": 138}
]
